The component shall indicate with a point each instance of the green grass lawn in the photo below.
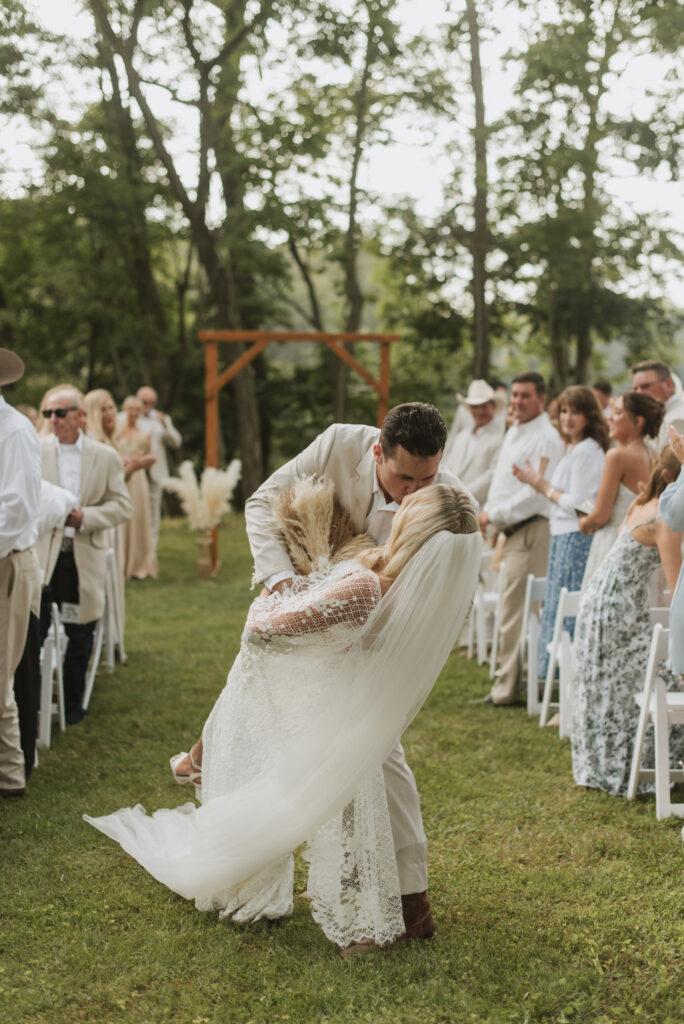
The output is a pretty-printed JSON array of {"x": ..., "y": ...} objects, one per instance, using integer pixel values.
[{"x": 551, "y": 903}]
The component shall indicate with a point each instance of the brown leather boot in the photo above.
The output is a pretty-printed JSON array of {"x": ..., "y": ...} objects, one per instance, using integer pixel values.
[
  {"x": 417, "y": 916},
  {"x": 417, "y": 919}
]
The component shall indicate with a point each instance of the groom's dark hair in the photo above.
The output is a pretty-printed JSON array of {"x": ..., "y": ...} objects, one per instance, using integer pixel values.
[{"x": 418, "y": 427}]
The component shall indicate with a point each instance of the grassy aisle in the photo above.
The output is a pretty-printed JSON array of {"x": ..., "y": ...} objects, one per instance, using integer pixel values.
[{"x": 551, "y": 903}]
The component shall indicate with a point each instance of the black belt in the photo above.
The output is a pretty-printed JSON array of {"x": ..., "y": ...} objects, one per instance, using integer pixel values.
[{"x": 510, "y": 530}]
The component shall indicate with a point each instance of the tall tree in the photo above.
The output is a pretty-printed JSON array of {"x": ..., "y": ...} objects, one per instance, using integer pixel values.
[
  {"x": 564, "y": 129},
  {"x": 214, "y": 72}
]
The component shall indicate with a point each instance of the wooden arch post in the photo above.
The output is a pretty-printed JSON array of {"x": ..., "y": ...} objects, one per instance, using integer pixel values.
[{"x": 258, "y": 341}]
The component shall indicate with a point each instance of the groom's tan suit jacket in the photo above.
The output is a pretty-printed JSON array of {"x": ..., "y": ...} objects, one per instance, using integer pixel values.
[
  {"x": 105, "y": 502},
  {"x": 344, "y": 454}
]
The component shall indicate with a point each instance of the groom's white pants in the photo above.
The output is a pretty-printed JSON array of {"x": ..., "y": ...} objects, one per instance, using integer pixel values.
[{"x": 410, "y": 844}]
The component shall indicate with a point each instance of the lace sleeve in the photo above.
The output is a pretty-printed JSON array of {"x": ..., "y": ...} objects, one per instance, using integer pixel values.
[{"x": 347, "y": 601}]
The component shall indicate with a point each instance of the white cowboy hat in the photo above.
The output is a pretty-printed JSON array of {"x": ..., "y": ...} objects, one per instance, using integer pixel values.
[
  {"x": 11, "y": 367},
  {"x": 480, "y": 392}
]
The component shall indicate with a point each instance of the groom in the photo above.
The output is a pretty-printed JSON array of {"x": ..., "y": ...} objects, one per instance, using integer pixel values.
[{"x": 372, "y": 470}]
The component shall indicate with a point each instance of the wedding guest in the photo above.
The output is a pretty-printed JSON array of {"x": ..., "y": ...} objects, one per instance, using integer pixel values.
[
  {"x": 671, "y": 508},
  {"x": 473, "y": 453},
  {"x": 613, "y": 637},
  {"x": 163, "y": 435},
  {"x": 73, "y": 556},
  {"x": 655, "y": 378},
  {"x": 634, "y": 417},
  {"x": 521, "y": 514},
  {"x": 574, "y": 483},
  {"x": 19, "y": 572},
  {"x": 140, "y": 559}
]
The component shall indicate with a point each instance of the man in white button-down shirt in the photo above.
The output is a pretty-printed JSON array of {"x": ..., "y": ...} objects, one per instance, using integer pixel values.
[
  {"x": 373, "y": 471},
  {"x": 19, "y": 573},
  {"x": 521, "y": 513}
]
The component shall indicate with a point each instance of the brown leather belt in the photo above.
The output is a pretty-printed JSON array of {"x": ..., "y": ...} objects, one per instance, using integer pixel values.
[{"x": 510, "y": 530}]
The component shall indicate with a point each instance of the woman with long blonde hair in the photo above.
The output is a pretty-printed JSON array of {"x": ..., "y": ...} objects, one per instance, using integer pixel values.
[
  {"x": 140, "y": 559},
  {"x": 329, "y": 674}
]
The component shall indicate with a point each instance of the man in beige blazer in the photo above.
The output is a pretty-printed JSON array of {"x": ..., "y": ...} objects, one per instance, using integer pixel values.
[
  {"x": 373, "y": 470},
  {"x": 73, "y": 556}
]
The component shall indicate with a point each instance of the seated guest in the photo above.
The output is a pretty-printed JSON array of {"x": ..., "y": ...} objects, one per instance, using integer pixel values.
[
  {"x": 73, "y": 556},
  {"x": 613, "y": 637},
  {"x": 140, "y": 559},
  {"x": 655, "y": 378},
  {"x": 472, "y": 454},
  {"x": 574, "y": 483}
]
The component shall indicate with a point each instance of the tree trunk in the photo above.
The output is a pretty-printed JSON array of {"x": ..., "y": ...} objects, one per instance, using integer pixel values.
[{"x": 479, "y": 237}]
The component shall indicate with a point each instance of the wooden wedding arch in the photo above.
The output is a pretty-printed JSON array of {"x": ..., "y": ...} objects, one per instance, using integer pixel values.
[{"x": 258, "y": 341}]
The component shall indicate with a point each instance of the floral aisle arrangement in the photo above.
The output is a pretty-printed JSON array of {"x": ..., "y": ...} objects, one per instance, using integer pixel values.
[{"x": 205, "y": 504}]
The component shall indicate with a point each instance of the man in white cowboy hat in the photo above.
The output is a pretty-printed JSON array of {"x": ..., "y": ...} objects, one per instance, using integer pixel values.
[
  {"x": 473, "y": 452},
  {"x": 19, "y": 572}
]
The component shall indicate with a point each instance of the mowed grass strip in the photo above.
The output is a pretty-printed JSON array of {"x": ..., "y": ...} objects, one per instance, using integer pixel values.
[{"x": 551, "y": 903}]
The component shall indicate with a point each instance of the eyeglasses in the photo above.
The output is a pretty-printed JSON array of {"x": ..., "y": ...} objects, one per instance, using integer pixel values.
[{"x": 59, "y": 413}]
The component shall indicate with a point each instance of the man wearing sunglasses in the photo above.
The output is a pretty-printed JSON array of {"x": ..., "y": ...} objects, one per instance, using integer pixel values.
[{"x": 73, "y": 556}]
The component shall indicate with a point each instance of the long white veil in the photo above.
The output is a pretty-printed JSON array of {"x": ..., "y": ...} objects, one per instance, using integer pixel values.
[{"x": 369, "y": 683}]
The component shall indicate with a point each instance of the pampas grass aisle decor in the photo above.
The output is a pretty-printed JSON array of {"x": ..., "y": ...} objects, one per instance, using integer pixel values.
[{"x": 205, "y": 504}]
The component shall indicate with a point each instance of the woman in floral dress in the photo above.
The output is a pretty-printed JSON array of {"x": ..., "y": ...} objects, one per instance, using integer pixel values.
[{"x": 613, "y": 636}]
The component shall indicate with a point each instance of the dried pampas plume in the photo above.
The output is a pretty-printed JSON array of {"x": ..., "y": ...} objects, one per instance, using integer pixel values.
[
  {"x": 314, "y": 527},
  {"x": 205, "y": 504}
]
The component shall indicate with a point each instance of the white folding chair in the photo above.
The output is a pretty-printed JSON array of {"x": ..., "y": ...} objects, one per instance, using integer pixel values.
[
  {"x": 486, "y": 609},
  {"x": 659, "y": 615},
  {"x": 529, "y": 640},
  {"x": 664, "y": 708},
  {"x": 51, "y": 680},
  {"x": 496, "y": 625},
  {"x": 108, "y": 630},
  {"x": 561, "y": 653},
  {"x": 481, "y": 608}
]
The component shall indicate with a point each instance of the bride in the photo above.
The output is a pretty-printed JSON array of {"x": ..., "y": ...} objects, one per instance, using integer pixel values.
[{"x": 329, "y": 674}]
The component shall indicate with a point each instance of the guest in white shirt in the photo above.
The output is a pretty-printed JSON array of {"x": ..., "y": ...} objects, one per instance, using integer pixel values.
[
  {"x": 573, "y": 485},
  {"x": 657, "y": 380},
  {"x": 163, "y": 435},
  {"x": 521, "y": 514},
  {"x": 19, "y": 573},
  {"x": 73, "y": 556},
  {"x": 473, "y": 453}
]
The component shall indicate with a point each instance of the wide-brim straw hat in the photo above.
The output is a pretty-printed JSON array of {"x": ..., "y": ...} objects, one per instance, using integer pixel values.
[
  {"x": 11, "y": 367},
  {"x": 480, "y": 392}
]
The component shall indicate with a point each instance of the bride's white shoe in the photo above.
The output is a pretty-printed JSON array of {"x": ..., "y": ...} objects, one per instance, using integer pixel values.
[{"x": 181, "y": 778}]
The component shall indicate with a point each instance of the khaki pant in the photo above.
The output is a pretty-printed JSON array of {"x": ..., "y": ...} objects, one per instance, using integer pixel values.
[
  {"x": 19, "y": 593},
  {"x": 526, "y": 551},
  {"x": 403, "y": 802}
]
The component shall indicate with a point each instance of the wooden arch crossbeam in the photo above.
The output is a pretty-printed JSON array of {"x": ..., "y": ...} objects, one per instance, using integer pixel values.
[{"x": 258, "y": 341}]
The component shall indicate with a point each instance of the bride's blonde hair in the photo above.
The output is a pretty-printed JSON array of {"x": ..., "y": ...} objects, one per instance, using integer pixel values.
[{"x": 421, "y": 515}]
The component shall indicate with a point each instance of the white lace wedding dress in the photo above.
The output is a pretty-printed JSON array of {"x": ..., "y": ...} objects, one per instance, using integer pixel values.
[{"x": 327, "y": 678}]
